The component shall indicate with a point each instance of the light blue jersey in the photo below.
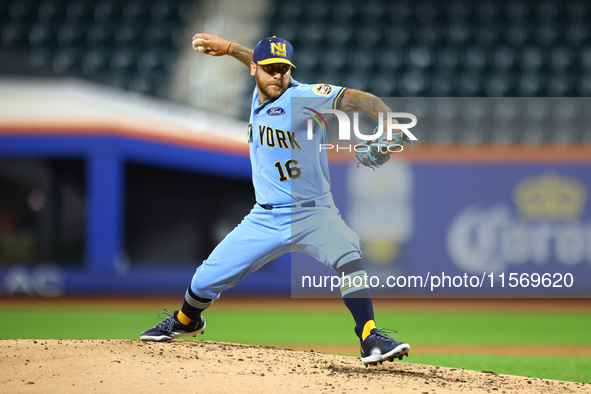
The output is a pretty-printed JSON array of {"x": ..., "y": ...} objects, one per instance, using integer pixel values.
[
  {"x": 295, "y": 211},
  {"x": 286, "y": 165}
]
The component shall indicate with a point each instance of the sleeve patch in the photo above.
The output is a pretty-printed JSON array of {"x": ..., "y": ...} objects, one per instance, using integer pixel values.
[{"x": 323, "y": 89}]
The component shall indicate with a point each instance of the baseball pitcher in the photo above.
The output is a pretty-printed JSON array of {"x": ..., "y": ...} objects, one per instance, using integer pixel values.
[{"x": 294, "y": 210}]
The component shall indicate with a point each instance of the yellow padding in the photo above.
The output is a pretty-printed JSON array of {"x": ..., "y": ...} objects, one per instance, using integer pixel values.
[
  {"x": 370, "y": 325},
  {"x": 184, "y": 319}
]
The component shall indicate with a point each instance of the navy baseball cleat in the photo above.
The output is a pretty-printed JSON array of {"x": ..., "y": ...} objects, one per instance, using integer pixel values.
[
  {"x": 171, "y": 328},
  {"x": 379, "y": 347}
]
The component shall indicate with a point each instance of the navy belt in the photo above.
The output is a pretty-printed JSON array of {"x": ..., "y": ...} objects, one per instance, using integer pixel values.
[{"x": 307, "y": 204}]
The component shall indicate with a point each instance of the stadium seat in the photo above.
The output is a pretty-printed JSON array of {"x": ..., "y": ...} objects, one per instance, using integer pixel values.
[
  {"x": 344, "y": 12},
  {"x": 531, "y": 134},
  {"x": 70, "y": 34},
  {"x": 371, "y": 12},
  {"x": 99, "y": 34},
  {"x": 456, "y": 11},
  {"x": 141, "y": 85},
  {"x": 420, "y": 57},
  {"x": 96, "y": 61},
  {"x": 80, "y": 12},
  {"x": 362, "y": 62},
  {"x": 577, "y": 10},
  {"x": 503, "y": 58},
  {"x": 547, "y": 34},
  {"x": 306, "y": 60},
  {"x": 106, "y": 11},
  {"x": 340, "y": 35},
  {"x": 397, "y": 35},
  {"x": 313, "y": 34},
  {"x": 530, "y": 84},
  {"x": 317, "y": 11},
  {"x": 22, "y": 11},
  {"x": 390, "y": 60},
  {"x": 487, "y": 35},
  {"x": 67, "y": 60},
  {"x": 368, "y": 38},
  {"x": 14, "y": 35},
  {"x": 532, "y": 58},
  {"x": 448, "y": 57},
  {"x": 516, "y": 11},
  {"x": 560, "y": 85},
  {"x": 50, "y": 11},
  {"x": 547, "y": 10},
  {"x": 399, "y": 11},
  {"x": 457, "y": 33},
  {"x": 499, "y": 84},
  {"x": 384, "y": 85},
  {"x": 470, "y": 84},
  {"x": 355, "y": 81},
  {"x": 427, "y": 35},
  {"x": 427, "y": 12},
  {"x": 475, "y": 58},
  {"x": 487, "y": 11},
  {"x": 127, "y": 60},
  {"x": 518, "y": 34},
  {"x": 130, "y": 34},
  {"x": 444, "y": 84},
  {"x": 584, "y": 86},
  {"x": 43, "y": 35},
  {"x": 135, "y": 11},
  {"x": 288, "y": 11},
  {"x": 289, "y": 31},
  {"x": 159, "y": 34},
  {"x": 562, "y": 59},
  {"x": 334, "y": 60},
  {"x": 577, "y": 34},
  {"x": 162, "y": 10},
  {"x": 41, "y": 57},
  {"x": 414, "y": 83}
]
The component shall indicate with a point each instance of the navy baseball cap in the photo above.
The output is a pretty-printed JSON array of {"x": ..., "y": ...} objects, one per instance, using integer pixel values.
[{"x": 271, "y": 50}]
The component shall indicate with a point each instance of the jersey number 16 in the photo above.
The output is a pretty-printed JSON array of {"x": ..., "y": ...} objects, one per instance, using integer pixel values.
[{"x": 291, "y": 168}]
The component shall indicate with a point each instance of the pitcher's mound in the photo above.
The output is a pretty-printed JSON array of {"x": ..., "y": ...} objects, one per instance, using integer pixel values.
[{"x": 205, "y": 367}]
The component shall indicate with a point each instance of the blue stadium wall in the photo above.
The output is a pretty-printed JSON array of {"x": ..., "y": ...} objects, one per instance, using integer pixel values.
[{"x": 485, "y": 218}]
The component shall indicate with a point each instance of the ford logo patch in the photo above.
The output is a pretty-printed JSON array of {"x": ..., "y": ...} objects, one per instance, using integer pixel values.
[{"x": 275, "y": 111}]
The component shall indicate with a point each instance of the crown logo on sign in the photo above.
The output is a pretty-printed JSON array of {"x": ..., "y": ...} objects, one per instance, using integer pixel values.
[{"x": 550, "y": 196}]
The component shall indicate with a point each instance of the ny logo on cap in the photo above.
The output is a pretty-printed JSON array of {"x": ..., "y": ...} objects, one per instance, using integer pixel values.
[{"x": 278, "y": 49}]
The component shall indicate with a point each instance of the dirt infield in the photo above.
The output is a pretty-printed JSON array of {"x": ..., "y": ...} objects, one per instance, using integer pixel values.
[{"x": 214, "y": 367}]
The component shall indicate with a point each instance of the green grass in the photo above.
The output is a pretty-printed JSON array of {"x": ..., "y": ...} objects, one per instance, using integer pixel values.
[
  {"x": 284, "y": 327},
  {"x": 575, "y": 369}
]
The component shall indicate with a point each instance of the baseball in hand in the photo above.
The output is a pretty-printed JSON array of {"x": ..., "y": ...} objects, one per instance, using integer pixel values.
[{"x": 198, "y": 48}]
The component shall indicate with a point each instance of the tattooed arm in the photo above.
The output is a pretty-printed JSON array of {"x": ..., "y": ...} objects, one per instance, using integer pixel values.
[
  {"x": 219, "y": 46},
  {"x": 357, "y": 100}
]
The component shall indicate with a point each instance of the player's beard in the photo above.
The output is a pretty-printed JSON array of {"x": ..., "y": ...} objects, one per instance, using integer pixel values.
[{"x": 268, "y": 88}]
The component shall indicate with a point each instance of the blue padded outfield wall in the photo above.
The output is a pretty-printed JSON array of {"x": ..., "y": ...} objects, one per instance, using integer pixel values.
[{"x": 510, "y": 227}]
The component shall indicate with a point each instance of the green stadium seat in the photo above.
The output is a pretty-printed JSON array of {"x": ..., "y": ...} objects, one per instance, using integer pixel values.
[
  {"x": 80, "y": 11},
  {"x": 345, "y": 12},
  {"x": 70, "y": 34},
  {"x": 532, "y": 58},
  {"x": 449, "y": 57},
  {"x": 43, "y": 35},
  {"x": 530, "y": 84},
  {"x": 457, "y": 33},
  {"x": 67, "y": 60},
  {"x": 14, "y": 35}
]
